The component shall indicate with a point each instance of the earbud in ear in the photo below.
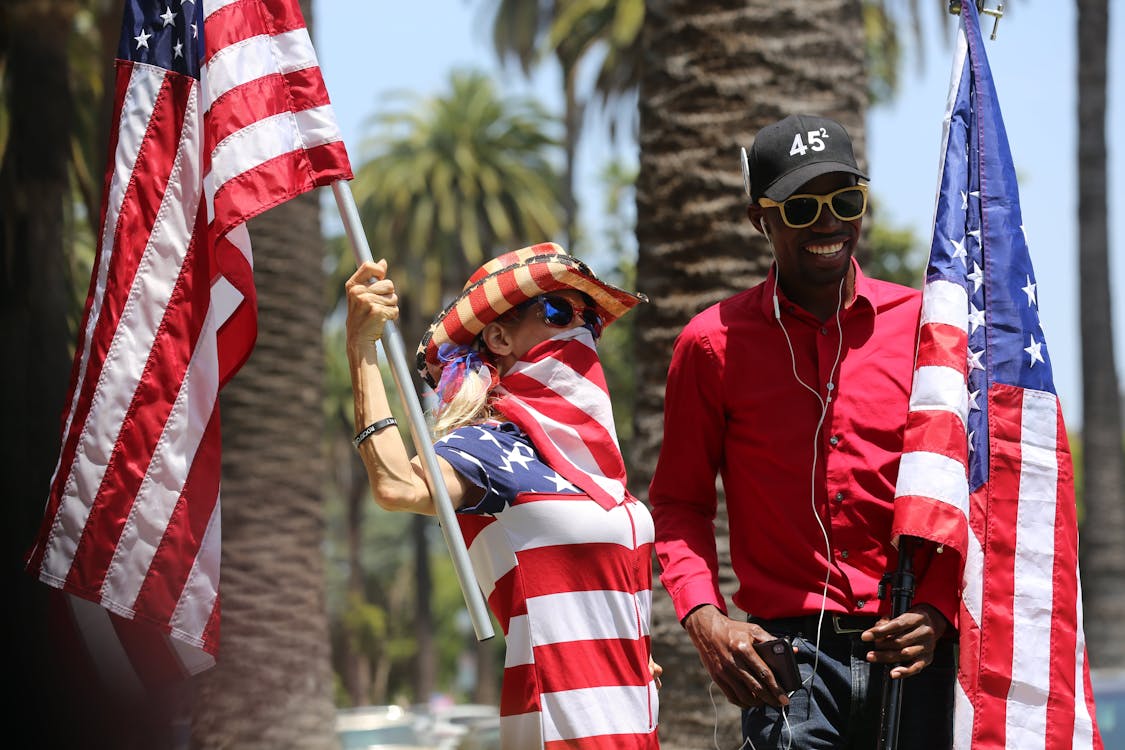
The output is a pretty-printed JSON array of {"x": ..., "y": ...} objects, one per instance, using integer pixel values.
[{"x": 745, "y": 172}]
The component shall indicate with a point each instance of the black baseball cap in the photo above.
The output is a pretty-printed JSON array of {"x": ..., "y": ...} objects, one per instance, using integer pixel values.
[{"x": 789, "y": 153}]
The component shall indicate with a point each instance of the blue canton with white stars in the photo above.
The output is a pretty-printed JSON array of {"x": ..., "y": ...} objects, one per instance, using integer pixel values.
[
  {"x": 168, "y": 34},
  {"x": 979, "y": 243},
  {"x": 499, "y": 457}
]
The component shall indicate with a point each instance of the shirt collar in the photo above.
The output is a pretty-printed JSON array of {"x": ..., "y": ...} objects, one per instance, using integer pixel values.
[{"x": 866, "y": 293}]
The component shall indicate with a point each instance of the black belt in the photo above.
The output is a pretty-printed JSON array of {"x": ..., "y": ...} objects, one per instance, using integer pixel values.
[{"x": 807, "y": 624}]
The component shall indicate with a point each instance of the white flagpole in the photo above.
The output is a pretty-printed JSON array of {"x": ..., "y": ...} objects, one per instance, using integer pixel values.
[{"x": 396, "y": 354}]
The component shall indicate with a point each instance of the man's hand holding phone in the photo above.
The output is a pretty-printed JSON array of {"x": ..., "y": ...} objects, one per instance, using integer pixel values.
[
  {"x": 727, "y": 649},
  {"x": 778, "y": 656}
]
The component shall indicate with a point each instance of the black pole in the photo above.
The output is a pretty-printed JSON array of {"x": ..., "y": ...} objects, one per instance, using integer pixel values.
[{"x": 902, "y": 594}]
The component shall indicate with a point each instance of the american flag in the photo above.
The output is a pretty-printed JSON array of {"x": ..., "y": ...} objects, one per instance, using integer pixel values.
[
  {"x": 220, "y": 112},
  {"x": 986, "y": 469},
  {"x": 558, "y": 395}
]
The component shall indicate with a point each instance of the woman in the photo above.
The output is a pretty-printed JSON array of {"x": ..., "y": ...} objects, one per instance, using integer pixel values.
[{"x": 529, "y": 456}]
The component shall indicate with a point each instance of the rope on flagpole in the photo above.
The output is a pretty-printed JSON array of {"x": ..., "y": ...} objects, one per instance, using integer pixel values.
[{"x": 396, "y": 354}]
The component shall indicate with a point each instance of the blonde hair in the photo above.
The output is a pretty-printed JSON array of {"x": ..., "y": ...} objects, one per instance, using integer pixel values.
[{"x": 470, "y": 404}]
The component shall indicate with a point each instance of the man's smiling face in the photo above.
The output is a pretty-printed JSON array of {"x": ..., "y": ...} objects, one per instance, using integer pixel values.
[{"x": 815, "y": 256}]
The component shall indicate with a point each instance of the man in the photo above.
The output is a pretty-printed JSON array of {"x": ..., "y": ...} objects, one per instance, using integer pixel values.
[{"x": 795, "y": 392}]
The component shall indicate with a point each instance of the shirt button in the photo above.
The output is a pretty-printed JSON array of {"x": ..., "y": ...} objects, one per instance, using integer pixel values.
[
  {"x": 834, "y": 439},
  {"x": 844, "y": 554},
  {"x": 861, "y": 603},
  {"x": 839, "y": 496},
  {"x": 823, "y": 331}
]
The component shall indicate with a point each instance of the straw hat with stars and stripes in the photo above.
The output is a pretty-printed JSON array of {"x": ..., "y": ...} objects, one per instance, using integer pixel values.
[{"x": 508, "y": 281}]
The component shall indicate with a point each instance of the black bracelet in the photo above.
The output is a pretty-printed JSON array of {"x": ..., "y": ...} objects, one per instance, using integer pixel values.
[{"x": 372, "y": 428}]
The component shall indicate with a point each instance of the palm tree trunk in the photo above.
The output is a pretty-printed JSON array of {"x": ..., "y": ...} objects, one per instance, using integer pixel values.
[
  {"x": 487, "y": 689},
  {"x": 273, "y": 683},
  {"x": 272, "y": 686},
  {"x": 572, "y": 122},
  {"x": 380, "y": 682},
  {"x": 357, "y": 663},
  {"x": 35, "y": 290},
  {"x": 425, "y": 660},
  {"x": 714, "y": 72},
  {"x": 35, "y": 299},
  {"x": 1103, "y": 557}
]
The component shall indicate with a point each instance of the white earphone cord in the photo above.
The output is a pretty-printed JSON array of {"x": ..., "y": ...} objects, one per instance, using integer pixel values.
[
  {"x": 812, "y": 481},
  {"x": 747, "y": 741}
]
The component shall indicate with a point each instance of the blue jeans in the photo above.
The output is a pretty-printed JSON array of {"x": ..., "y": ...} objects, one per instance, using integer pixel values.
[{"x": 840, "y": 707}]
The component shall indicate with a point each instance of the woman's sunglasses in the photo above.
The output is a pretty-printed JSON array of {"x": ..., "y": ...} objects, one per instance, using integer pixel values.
[
  {"x": 559, "y": 312},
  {"x": 800, "y": 211}
]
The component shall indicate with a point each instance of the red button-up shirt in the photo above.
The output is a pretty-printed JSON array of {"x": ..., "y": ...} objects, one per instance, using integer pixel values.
[{"x": 735, "y": 408}]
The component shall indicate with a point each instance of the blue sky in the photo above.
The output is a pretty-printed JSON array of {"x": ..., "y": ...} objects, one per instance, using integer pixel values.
[{"x": 370, "y": 47}]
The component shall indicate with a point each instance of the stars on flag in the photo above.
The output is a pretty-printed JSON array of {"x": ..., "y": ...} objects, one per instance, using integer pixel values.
[
  {"x": 976, "y": 276},
  {"x": 520, "y": 454},
  {"x": 977, "y": 314},
  {"x": 1034, "y": 350},
  {"x": 975, "y": 360},
  {"x": 1029, "y": 290},
  {"x": 506, "y": 457},
  {"x": 161, "y": 37},
  {"x": 976, "y": 318},
  {"x": 561, "y": 484},
  {"x": 959, "y": 252},
  {"x": 487, "y": 436},
  {"x": 963, "y": 251}
]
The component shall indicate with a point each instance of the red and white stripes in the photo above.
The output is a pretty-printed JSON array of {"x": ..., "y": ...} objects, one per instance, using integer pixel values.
[
  {"x": 933, "y": 471},
  {"x": 570, "y": 583},
  {"x": 558, "y": 395},
  {"x": 132, "y": 521}
]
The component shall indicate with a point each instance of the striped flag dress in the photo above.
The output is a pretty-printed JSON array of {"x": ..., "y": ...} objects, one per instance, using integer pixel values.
[
  {"x": 570, "y": 585},
  {"x": 986, "y": 468},
  {"x": 563, "y": 556},
  {"x": 220, "y": 112}
]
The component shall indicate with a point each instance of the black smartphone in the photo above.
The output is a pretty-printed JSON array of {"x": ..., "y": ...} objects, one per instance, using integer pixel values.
[{"x": 778, "y": 656}]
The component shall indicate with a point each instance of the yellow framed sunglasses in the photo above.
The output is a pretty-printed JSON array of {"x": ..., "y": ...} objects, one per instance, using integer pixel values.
[{"x": 800, "y": 211}]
